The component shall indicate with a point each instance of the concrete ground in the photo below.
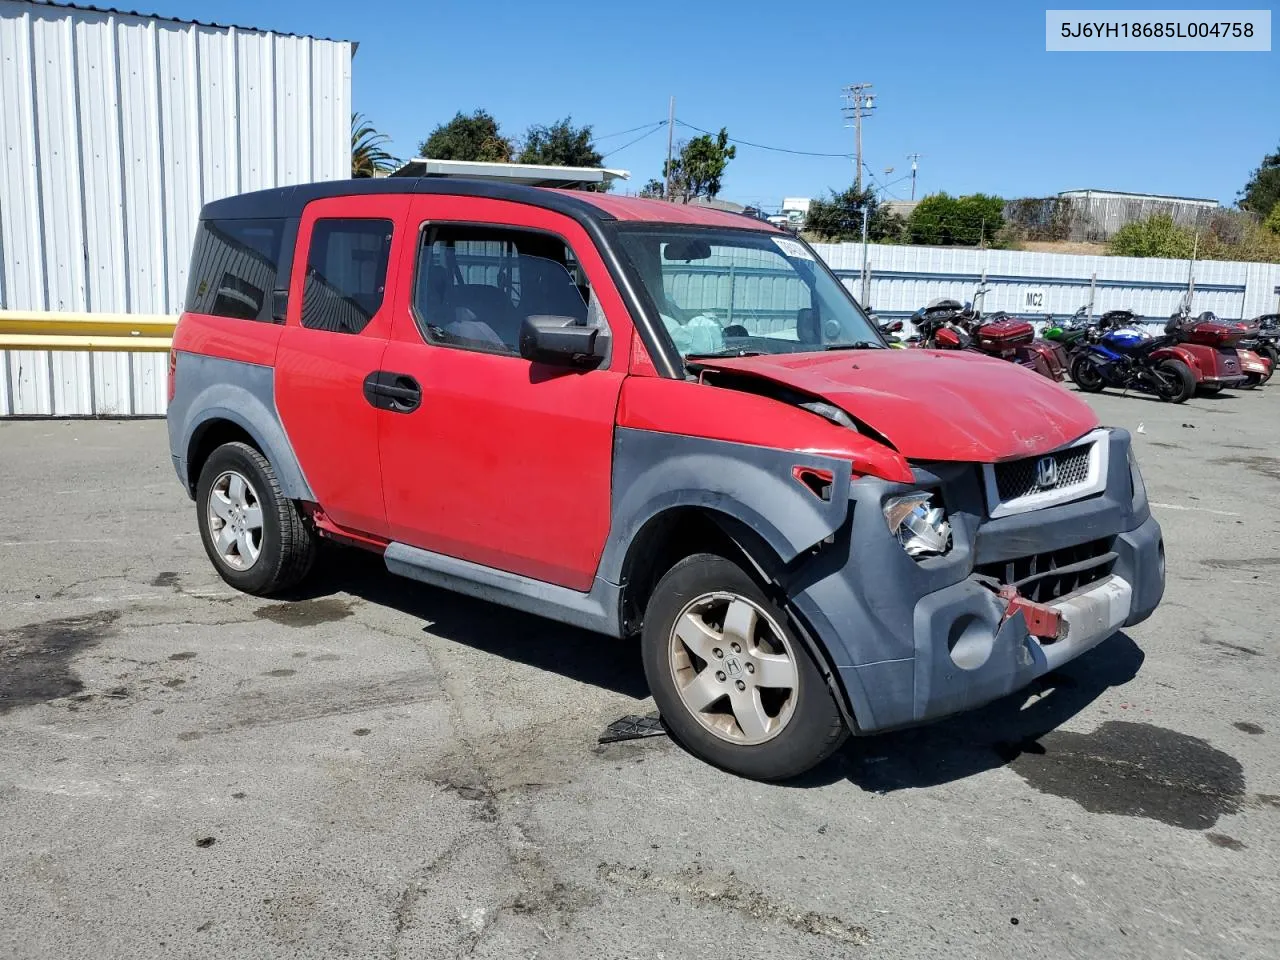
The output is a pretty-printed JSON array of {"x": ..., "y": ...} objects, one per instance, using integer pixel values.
[{"x": 385, "y": 770}]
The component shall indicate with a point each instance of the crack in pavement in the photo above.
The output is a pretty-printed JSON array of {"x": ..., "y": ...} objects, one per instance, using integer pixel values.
[{"x": 701, "y": 889}]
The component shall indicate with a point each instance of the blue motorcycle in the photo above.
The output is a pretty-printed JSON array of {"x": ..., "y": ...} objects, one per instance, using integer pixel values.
[{"x": 1116, "y": 354}]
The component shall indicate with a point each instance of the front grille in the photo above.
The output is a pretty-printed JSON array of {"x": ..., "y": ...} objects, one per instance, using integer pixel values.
[
  {"x": 1021, "y": 478},
  {"x": 1037, "y": 577}
]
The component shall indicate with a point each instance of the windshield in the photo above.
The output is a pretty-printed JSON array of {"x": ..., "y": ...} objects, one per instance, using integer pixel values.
[{"x": 738, "y": 292}]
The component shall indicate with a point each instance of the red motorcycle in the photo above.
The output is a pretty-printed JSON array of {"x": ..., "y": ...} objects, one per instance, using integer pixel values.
[
  {"x": 1256, "y": 364},
  {"x": 1209, "y": 348},
  {"x": 946, "y": 325}
]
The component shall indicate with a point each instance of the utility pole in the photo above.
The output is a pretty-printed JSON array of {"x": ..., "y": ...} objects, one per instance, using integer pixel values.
[
  {"x": 914, "y": 158},
  {"x": 671, "y": 129},
  {"x": 866, "y": 275},
  {"x": 859, "y": 102}
]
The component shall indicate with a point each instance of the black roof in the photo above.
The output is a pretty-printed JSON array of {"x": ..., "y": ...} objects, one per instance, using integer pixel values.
[{"x": 288, "y": 201}]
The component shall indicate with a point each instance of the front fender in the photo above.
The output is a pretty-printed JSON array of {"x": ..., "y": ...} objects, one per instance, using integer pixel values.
[{"x": 654, "y": 472}]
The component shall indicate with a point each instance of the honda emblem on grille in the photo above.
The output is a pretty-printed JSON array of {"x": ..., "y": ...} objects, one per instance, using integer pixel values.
[{"x": 1046, "y": 473}]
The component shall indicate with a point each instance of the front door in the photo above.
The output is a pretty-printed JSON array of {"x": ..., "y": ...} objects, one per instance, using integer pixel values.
[
  {"x": 505, "y": 463},
  {"x": 339, "y": 317}
]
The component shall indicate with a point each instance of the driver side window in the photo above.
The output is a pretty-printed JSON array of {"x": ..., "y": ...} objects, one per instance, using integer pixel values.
[{"x": 475, "y": 285}]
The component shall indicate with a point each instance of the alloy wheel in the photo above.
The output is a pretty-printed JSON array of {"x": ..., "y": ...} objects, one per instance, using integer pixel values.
[
  {"x": 734, "y": 668},
  {"x": 235, "y": 520}
]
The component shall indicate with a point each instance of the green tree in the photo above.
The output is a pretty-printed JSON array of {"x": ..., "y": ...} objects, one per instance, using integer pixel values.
[
  {"x": 561, "y": 145},
  {"x": 654, "y": 189},
  {"x": 369, "y": 155},
  {"x": 474, "y": 137},
  {"x": 839, "y": 217},
  {"x": 1272, "y": 222},
  {"x": 696, "y": 171},
  {"x": 943, "y": 220},
  {"x": 1156, "y": 236},
  {"x": 1262, "y": 192}
]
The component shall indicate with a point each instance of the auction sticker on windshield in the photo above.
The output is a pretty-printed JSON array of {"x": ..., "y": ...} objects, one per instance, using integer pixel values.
[{"x": 790, "y": 248}]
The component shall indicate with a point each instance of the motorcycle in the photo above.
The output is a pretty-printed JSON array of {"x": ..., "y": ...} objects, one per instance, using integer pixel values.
[
  {"x": 948, "y": 325},
  {"x": 1266, "y": 342},
  {"x": 1210, "y": 349},
  {"x": 1069, "y": 333},
  {"x": 1258, "y": 350},
  {"x": 1112, "y": 354},
  {"x": 890, "y": 330}
]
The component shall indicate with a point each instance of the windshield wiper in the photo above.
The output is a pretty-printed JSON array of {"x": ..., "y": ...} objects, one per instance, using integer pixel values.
[
  {"x": 733, "y": 352},
  {"x": 859, "y": 345}
]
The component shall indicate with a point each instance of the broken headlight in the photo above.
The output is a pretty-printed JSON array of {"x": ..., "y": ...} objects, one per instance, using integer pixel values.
[{"x": 920, "y": 527}]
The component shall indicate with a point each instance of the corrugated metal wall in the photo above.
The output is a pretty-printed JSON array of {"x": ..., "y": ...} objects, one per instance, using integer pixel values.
[
  {"x": 116, "y": 128},
  {"x": 903, "y": 279}
]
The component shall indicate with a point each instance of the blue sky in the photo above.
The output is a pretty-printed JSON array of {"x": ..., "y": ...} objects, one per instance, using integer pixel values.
[{"x": 969, "y": 87}]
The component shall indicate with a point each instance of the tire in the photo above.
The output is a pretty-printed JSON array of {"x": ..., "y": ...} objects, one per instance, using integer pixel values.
[
  {"x": 1180, "y": 383},
  {"x": 1084, "y": 374},
  {"x": 285, "y": 543},
  {"x": 1211, "y": 390},
  {"x": 788, "y": 729},
  {"x": 1252, "y": 380}
]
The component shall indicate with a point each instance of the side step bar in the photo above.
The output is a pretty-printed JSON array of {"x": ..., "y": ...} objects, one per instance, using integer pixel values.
[{"x": 598, "y": 610}]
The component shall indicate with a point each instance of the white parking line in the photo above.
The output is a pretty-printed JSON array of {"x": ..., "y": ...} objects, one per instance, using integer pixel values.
[{"x": 1175, "y": 506}]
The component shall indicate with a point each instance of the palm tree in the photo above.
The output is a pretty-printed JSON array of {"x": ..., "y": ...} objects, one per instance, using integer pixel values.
[{"x": 368, "y": 154}]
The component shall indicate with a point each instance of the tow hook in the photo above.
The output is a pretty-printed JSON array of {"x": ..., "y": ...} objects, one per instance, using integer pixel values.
[{"x": 1043, "y": 621}]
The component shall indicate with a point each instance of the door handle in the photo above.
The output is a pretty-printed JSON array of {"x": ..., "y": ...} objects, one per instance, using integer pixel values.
[{"x": 397, "y": 392}]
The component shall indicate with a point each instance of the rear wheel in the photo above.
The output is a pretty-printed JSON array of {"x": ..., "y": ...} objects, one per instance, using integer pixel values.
[
  {"x": 255, "y": 536},
  {"x": 734, "y": 684},
  {"x": 1085, "y": 374},
  {"x": 1252, "y": 380},
  {"x": 1177, "y": 382}
]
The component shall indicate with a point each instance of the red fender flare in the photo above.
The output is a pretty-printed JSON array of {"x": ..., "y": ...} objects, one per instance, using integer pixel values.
[{"x": 1178, "y": 353}]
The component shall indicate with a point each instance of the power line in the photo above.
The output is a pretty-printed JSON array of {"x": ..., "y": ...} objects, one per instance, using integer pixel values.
[
  {"x": 762, "y": 146},
  {"x": 648, "y": 133},
  {"x": 607, "y": 136}
]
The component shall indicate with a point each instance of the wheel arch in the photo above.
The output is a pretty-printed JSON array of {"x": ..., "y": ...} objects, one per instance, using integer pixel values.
[
  {"x": 226, "y": 412},
  {"x": 679, "y": 531}
]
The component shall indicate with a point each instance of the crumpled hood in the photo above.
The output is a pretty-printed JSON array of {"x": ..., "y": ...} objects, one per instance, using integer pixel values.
[{"x": 934, "y": 404}]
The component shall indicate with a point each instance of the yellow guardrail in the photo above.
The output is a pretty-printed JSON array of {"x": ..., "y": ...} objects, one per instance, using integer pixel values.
[{"x": 39, "y": 330}]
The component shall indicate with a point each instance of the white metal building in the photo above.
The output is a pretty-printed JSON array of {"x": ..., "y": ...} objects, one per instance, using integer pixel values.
[{"x": 116, "y": 127}]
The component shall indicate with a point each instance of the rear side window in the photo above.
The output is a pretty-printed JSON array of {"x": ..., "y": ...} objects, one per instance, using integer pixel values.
[
  {"x": 346, "y": 274},
  {"x": 233, "y": 268}
]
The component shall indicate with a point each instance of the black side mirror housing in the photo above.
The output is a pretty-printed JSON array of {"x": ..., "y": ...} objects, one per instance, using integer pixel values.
[{"x": 561, "y": 342}]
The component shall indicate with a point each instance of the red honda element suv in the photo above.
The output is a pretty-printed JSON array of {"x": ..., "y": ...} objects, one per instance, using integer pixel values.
[{"x": 642, "y": 418}]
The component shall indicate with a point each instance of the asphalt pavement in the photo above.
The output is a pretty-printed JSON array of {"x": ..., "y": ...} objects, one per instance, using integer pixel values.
[{"x": 380, "y": 769}]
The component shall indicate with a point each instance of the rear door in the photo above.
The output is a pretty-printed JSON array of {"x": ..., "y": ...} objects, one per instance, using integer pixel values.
[
  {"x": 338, "y": 321},
  {"x": 505, "y": 463}
]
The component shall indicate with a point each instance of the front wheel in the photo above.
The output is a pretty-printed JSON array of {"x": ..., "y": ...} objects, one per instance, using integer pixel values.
[
  {"x": 734, "y": 684},
  {"x": 1177, "y": 382},
  {"x": 1085, "y": 374}
]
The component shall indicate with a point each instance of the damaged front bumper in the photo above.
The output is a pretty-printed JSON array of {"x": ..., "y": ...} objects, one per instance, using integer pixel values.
[{"x": 913, "y": 641}]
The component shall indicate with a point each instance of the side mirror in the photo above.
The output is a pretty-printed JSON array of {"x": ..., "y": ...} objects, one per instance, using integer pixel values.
[{"x": 562, "y": 342}]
